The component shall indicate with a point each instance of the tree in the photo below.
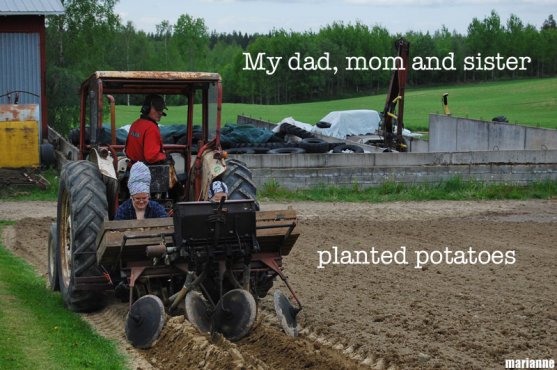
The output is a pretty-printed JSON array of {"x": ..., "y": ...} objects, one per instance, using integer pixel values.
[
  {"x": 76, "y": 33},
  {"x": 548, "y": 38},
  {"x": 549, "y": 23},
  {"x": 191, "y": 39},
  {"x": 485, "y": 37},
  {"x": 90, "y": 37},
  {"x": 164, "y": 32},
  {"x": 422, "y": 45},
  {"x": 514, "y": 36},
  {"x": 74, "y": 51},
  {"x": 444, "y": 44}
]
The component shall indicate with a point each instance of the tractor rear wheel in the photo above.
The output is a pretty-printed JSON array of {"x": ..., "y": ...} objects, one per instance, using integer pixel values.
[
  {"x": 239, "y": 181},
  {"x": 82, "y": 207}
]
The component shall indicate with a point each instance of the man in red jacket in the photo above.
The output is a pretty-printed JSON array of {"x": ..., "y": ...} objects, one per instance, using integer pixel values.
[{"x": 144, "y": 142}]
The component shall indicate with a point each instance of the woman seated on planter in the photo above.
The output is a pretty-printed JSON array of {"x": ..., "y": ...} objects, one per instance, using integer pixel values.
[{"x": 139, "y": 206}]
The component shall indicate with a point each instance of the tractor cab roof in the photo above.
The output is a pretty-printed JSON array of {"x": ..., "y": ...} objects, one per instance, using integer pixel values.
[{"x": 147, "y": 82}]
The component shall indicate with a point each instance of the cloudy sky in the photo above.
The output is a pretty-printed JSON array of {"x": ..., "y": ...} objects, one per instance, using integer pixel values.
[{"x": 398, "y": 16}]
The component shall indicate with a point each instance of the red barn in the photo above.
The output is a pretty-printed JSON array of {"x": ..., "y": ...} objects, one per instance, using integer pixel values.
[{"x": 22, "y": 52}]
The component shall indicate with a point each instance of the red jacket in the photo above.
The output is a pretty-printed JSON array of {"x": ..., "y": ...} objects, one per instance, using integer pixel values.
[{"x": 144, "y": 142}]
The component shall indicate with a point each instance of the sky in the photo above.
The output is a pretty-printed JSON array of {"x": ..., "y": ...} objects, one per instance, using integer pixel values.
[{"x": 397, "y": 16}]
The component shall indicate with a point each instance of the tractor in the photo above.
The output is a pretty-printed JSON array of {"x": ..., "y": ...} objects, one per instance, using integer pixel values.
[{"x": 210, "y": 261}]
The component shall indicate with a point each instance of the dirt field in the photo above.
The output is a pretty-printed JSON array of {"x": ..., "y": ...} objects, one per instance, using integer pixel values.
[{"x": 496, "y": 301}]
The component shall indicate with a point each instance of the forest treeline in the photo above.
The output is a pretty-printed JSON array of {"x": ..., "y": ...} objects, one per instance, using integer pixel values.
[{"x": 90, "y": 37}]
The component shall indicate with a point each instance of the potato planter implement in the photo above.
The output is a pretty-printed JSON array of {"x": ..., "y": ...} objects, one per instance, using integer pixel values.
[{"x": 210, "y": 261}]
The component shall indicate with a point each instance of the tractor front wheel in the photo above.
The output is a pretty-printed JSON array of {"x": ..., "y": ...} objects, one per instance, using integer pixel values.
[{"x": 239, "y": 181}]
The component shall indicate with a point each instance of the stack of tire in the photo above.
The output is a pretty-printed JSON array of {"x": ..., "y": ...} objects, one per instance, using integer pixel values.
[
  {"x": 308, "y": 144},
  {"x": 347, "y": 148}
]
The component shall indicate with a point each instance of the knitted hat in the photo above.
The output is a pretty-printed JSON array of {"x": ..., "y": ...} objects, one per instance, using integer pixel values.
[{"x": 140, "y": 179}]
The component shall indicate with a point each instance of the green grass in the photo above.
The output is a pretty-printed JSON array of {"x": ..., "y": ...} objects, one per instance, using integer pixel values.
[
  {"x": 452, "y": 189},
  {"x": 529, "y": 102},
  {"x": 36, "y": 331},
  {"x": 32, "y": 191}
]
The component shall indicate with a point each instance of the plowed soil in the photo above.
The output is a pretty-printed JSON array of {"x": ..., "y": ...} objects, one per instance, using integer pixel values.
[{"x": 384, "y": 315}]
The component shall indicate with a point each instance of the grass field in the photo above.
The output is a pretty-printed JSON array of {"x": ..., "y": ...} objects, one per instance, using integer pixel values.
[
  {"x": 455, "y": 188},
  {"x": 528, "y": 102},
  {"x": 36, "y": 331}
]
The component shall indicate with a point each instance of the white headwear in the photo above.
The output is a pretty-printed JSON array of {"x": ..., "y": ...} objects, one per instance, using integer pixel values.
[{"x": 140, "y": 179}]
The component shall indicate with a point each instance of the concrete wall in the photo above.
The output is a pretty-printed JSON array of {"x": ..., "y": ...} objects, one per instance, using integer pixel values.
[
  {"x": 470, "y": 149},
  {"x": 453, "y": 134},
  {"x": 372, "y": 169},
  {"x": 418, "y": 145}
]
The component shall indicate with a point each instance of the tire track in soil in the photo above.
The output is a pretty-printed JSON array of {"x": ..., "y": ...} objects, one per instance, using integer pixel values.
[
  {"x": 28, "y": 239},
  {"x": 269, "y": 342},
  {"x": 109, "y": 322},
  {"x": 266, "y": 347},
  {"x": 338, "y": 346},
  {"x": 334, "y": 349}
]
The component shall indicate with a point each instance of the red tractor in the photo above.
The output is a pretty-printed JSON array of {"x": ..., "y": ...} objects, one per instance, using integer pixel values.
[{"x": 210, "y": 261}]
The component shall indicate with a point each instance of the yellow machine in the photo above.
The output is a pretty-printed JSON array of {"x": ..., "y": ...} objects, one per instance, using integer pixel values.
[{"x": 19, "y": 135}]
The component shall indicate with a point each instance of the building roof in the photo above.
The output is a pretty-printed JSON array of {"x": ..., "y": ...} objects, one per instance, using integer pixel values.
[{"x": 31, "y": 7}]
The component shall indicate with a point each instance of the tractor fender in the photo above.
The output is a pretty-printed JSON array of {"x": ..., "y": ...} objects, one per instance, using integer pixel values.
[
  {"x": 105, "y": 165},
  {"x": 211, "y": 168}
]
